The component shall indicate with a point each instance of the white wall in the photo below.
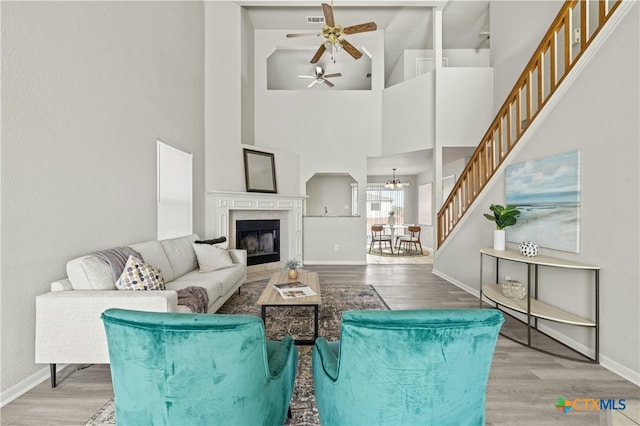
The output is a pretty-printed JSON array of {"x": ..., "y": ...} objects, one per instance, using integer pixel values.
[
  {"x": 323, "y": 234},
  {"x": 513, "y": 41},
  {"x": 408, "y": 115},
  {"x": 474, "y": 58},
  {"x": 397, "y": 74},
  {"x": 600, "y": 117},
  {"x": 87, "y": 88},
  {"x": 248, "y": 78},
  {"x": 463, "y": 105},
  {"x": 223, "y": 96}
]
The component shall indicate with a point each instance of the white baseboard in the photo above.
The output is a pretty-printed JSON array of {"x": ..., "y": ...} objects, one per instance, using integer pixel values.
[
  {"x": 335, "y": 262},
  {"x": 605, "y": 361},
  {"x": 608, "y": 363},
  {"x": 620, "y": 370},
  {"x": 457, "y": 283},
  {"x": 27, "y": 384}
]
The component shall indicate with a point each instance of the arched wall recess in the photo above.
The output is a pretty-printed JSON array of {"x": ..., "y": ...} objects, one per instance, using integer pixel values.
[{"x": 332, "y": 194}]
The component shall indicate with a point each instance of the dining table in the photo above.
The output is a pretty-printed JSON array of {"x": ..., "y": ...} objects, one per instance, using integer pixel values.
[{"x": 399, "y": 229}]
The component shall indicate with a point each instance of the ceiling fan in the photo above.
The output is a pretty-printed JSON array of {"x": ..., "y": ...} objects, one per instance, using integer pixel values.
[
  {"x": 333, "y": 33},
  {"x": 321, "y": 77}
]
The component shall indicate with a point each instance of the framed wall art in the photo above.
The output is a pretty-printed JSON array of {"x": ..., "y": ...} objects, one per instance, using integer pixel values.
[
  {"x": 259, "y": 171},
  {"x": 547, "y": 193}
]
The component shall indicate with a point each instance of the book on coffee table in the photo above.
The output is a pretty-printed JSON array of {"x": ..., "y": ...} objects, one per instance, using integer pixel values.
[{"x": 294, "y": 290}]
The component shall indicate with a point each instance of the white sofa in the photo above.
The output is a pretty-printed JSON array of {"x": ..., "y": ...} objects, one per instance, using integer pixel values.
[{"x": 68, "y": 325}]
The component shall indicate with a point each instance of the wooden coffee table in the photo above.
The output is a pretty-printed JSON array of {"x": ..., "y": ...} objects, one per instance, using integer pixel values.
[{"x": 271, "y": 298}]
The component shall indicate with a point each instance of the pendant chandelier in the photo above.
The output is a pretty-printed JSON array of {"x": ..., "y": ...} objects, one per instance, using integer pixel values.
[{"x": 393, "y": 183}]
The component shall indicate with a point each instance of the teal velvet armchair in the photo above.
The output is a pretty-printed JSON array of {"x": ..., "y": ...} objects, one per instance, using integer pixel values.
[
  {"x": 414, "y": 367},
  {"x": 197, "y": 369}
]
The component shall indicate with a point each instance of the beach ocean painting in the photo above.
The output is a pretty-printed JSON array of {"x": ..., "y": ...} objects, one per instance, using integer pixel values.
[{"x": 547, "y": 193}]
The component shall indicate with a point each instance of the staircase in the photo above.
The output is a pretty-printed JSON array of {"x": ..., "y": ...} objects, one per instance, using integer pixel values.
[{"x": 556, "y": 55}]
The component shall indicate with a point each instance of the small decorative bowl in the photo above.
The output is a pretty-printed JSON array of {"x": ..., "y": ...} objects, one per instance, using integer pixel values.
[
  {"x": 529, "y": 249},
  {"x": 513, "y": 289}
]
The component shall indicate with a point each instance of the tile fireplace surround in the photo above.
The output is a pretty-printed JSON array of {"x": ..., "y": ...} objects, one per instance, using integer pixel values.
[{"x": 225, "y": 208}]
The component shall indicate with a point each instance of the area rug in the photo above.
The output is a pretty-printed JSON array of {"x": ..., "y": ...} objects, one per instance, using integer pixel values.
[
  {"x": 398, "y": 253},
  {"x": 297, "y": 321}
]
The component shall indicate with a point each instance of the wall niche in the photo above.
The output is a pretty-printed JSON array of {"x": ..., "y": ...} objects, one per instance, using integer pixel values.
[{"x": 332, "y": 195}]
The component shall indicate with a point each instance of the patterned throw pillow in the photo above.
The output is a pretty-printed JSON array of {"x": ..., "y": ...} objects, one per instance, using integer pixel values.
[{"x": 138, "y": 275}]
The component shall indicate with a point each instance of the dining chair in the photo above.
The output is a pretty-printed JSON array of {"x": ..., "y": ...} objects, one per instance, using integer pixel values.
[
  {"x": 378, "y": 236},
  {"x": 400, "y": 231},
  {"x": 410, "y": 241}
]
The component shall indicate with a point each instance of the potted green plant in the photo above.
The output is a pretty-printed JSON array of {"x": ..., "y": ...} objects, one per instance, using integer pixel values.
[
  {"x": 503, "y": 217},
  {"x": 292, "y": 266}
]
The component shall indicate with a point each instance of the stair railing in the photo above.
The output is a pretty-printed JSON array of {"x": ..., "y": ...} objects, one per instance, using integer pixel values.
[{"x": 562, "y": 46}]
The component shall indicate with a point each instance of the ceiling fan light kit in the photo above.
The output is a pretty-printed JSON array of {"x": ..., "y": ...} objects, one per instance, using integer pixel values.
[
  {"x": 321, "y": 77},
  {"x": 334, "y": 35}
]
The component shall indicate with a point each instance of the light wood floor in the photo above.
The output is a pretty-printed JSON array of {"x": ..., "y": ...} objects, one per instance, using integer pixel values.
[{"x": 523, "y": 387}]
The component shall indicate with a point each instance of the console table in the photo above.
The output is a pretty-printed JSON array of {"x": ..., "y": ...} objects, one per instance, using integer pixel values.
[{"x": 531, "y": 305}]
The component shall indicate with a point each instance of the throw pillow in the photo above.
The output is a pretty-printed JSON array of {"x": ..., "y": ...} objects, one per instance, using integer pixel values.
[
  {"x": 211, "y": 258},
  {"x": 138, "y": 275}
]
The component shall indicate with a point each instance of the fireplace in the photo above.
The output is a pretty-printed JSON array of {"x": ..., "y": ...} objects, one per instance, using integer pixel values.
[
  {"x": 225, "y": 208},
  {"x": 261, "y": 240}
]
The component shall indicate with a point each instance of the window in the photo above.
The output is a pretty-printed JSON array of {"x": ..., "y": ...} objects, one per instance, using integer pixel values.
[
  {"x": 381, "y": 201},
  {"x": 174, "y": 192}
]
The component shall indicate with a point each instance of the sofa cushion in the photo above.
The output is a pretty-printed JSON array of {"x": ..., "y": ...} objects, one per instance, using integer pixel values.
[
  {"x": 90, "y": 273},
  {"x": 229, "y": 277},
  {"x": 181, "y": 255},
  {"x": 139, "y": 275},
  {"x": 213, "y": 287},
  {"x": 211, "y": 258},
  {"x": 153, "y": 253}
]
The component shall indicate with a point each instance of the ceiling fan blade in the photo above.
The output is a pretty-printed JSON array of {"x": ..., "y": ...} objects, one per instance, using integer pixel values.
[
  {"x": 312, "y": 83},
  {"x": 302, "y": 35},
  {"x": 337, "y": 74},
  {"x": 360, "y": 28},
  {"x": 328, "y": 15},
  {"x": 306, "y": 76},
  {"x": 318, "y": 54},
  {"x": 328, "y": 83},
  {"x": 350, "y": 49}
]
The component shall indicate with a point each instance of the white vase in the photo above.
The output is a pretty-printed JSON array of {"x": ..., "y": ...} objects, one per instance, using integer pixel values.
[
  {"x": 498, "y": 239},
  {"x": 391, "y": 221}
]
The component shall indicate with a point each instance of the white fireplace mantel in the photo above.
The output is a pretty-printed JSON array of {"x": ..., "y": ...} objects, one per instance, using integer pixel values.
[{"x": 221, "y": 205}]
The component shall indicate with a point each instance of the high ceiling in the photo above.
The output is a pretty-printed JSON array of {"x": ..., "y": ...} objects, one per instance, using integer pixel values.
[{"x": 406, "y": 25}]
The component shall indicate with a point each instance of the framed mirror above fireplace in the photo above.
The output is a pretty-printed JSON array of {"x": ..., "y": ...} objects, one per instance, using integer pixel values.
[{"x": 259, "y": 171}]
